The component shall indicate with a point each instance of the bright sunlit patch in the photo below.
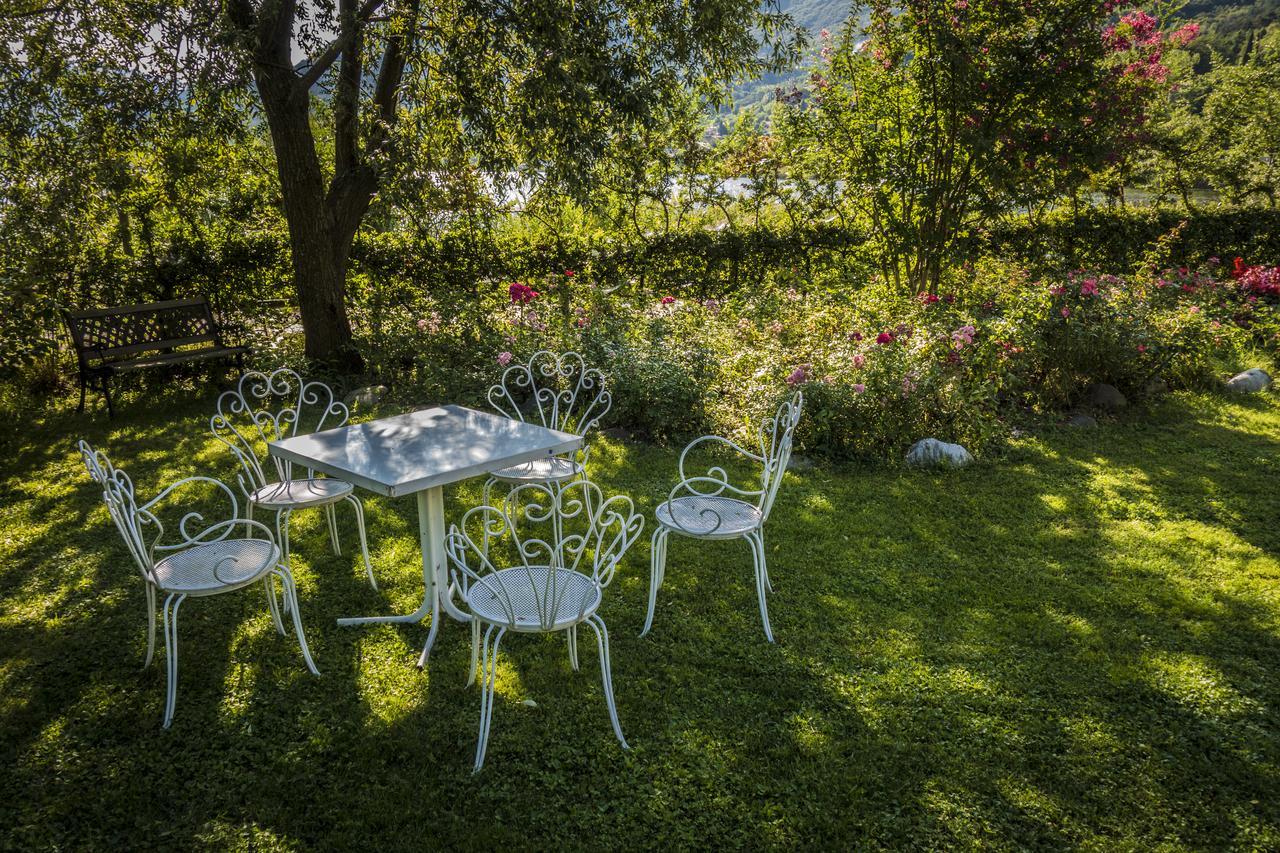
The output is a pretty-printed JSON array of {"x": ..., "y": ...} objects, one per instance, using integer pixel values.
[{"x": 1196, "y": 682}]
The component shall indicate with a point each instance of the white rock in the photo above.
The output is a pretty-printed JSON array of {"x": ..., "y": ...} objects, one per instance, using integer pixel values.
[
  {"x": 928, "y": 452},
  {"x": 363, "y": 398},
  {"x": 1250, "y": 381}
]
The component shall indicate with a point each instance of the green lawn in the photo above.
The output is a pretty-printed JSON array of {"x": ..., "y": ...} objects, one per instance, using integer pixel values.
[{"x": 1076, "y": 643}]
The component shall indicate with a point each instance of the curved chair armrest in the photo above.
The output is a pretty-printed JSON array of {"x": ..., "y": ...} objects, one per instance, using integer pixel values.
[
  {"x": 207, "y": 534},
  {"x": 737, "y": 448},
  {"x": 712, "y": 484},
  {"x": 196, "y": 517},
  {"x": 720, "y": 485}
]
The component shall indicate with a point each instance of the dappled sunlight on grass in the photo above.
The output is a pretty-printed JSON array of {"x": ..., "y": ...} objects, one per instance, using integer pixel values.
[{"x": 1075, "y": 644}]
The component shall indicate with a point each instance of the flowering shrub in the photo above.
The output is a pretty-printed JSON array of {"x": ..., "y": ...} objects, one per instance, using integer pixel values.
[{"x": 879, "y": 369}]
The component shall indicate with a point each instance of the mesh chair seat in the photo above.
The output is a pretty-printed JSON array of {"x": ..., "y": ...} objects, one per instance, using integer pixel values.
[
  {"x": 237, "y": 562},
  {"x": 288, "y": 494},
  {"x": 709, "y": 516},
  {"x": 527, "y": 590},
  {"x": 551, "y": 469}
]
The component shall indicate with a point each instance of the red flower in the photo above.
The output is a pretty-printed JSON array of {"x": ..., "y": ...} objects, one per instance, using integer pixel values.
[
  {"x": 668, "y": 300},
  {"x": 884, "y": 338},
  {"x": 521, "y": 293},
  {"x": 1238, "y": 269}
]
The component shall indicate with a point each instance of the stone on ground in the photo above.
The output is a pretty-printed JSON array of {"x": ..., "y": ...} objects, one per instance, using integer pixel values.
[
  {"x": 1106, "y": 397},
  {"x": 1252, "y": 380},
  {"x": 929, "y": 452},
  {"x": 364, "y": 398},
  {"x": 1081, "y": 420}
]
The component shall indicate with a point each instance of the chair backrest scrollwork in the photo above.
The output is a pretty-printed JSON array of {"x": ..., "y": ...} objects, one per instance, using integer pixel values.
[
  {"x": 538, "y": 530},
  {"x": 555, "y": 391},
  {"x": 776, "y": 435},
  {"x": 268, "y": 407}
]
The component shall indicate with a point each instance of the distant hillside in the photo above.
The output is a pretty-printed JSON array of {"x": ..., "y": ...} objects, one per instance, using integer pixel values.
[
  {"x": 1230, "y": 28},
  {"x": 815, "y": 16}
]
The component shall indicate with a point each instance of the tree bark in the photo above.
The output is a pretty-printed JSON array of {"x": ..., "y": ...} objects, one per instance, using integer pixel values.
[{"x": 319, "y": 260}]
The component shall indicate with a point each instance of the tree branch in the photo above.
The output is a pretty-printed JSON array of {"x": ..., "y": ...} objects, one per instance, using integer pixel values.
[
  {"x": 346, "y": 95},
  {"x": 338, "y": 46},
  {"x": 386, "y": 91}
]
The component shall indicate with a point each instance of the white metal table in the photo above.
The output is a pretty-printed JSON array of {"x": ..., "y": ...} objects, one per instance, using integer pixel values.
[{"x": 419, "y": 453}]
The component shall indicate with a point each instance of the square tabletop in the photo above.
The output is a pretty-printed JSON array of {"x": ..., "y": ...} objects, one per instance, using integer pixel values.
[{"x": 409, "y": 453}]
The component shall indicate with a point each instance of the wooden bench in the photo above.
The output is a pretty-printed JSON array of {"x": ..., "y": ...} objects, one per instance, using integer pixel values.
[{"x": 109, "y": 341}]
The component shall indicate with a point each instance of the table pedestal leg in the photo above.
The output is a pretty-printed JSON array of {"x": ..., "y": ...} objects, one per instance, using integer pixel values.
[
  {"x": 431, "y": 530},
  {"x": 431, "y": 533}
]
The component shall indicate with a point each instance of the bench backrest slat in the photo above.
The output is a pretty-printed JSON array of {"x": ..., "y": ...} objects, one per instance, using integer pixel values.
[{"x": 118, "y": 332}]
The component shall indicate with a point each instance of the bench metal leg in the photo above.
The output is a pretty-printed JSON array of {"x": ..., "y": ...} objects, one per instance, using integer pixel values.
[
  {"x": 83, "y": 388},
  {"x": 106, "y": 392}
]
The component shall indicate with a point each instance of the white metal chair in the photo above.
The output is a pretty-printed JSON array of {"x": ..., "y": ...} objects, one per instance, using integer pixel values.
[
  {"x": 267, "y": 407},
  {"x": 708, "y": 506},
  {"x": 556, "y": 391},
  {"x": 206, "y": 562},
  {"x": 558, "y": 547}
]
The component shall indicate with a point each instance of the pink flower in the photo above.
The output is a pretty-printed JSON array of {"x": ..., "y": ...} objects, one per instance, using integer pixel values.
[
  {"x": 855, "y": 336},
  {"x": 1089, "y": 287},
  {"x": 521, "y": 294},
  {"x": 668, "y": 300},
  {"x": 1194, "y": 309},
  {"x": 1057, "y": 291},
  {"x": 568, "y": 273},
  {"x": 963, "y": 336},
  {"x": 884, "y": 338},
  {"x": 504, "y": 358},
  {"x": 1142, "y": 348},
  {"x": 711, "y": 305},
  {"x": 859, "y": 360},
  {"x": 926, "y": 298},
  {"x": 775, "y": 328},
  {"x": 583, "y": 322},
  {"x": 858, "y": 387},
  {"x": 799, "y": 375},
  {"x": 1066, "y": 312}
]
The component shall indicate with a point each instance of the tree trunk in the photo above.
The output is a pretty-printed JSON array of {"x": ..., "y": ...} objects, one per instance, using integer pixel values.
[{"x": 319, "y": 255}]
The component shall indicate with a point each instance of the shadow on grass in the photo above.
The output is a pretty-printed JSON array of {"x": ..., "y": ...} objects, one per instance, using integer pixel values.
[{"x": 1076, "y": 646}]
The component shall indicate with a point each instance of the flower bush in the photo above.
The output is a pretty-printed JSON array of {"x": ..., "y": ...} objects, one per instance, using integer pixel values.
[{"x": 879, "y": 369}]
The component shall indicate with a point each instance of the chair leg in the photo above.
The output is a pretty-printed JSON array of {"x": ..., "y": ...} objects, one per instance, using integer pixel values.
[
  {"x": 484, "y": 501},
  {"x": 488, "y": 675},
  {"x": 273, "y": 604},
  {"x": 364, "y": 543},
  {"x": 291, "y": 600},
  {"x": 764, "y": 566},
  {"x": 332, "y": 518},
  {"x": 475, "y": 650},
  {"x": 282, "y": 536},
  {"x": 572, "y": 634},
  {"x": 606, "y": 675},
  {"x": 83, "y": 389},
  {"x": 657, "y": 568},
  {"x": 756, "y": 541},
  {"x": 151, "y": 625},
  {"x": 171, "y": 605}
]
